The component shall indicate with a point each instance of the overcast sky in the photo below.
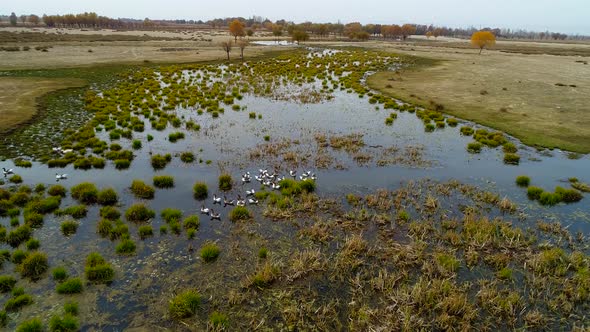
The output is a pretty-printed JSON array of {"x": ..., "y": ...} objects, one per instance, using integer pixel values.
[{"x": 568, "y": 16}]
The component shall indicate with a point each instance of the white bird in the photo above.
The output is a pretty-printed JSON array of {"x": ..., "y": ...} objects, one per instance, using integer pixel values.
[
  {"x": 240, "y": 201},
  {"x": 302, "y": 177},
  {"x": 258, "y": 178},
  {"x": 250, "y": 192},
  {"x": 56, "y": 150},
  {"x": 215, "y": 216},
  {"x": 252, "y": 201},
  {"x": 216, "y": 200},
  {"x": 276, "y": 186},
  {"x": 205, "y": 210},
  {"x": 313, "y": 176},
  {"x": 60, "y": 176},
  {"x": 7, "y": 171},
  {"x": 245, "y": 180},
  {"x": 67, "y": 151},
  {"x": 293, "y": 174},
  {"x": 267, "y": 183}
]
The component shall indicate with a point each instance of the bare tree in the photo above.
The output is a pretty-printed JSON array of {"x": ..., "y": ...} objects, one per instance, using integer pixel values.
[
  {"x": 242, "y": 44},
  {"x": 227, "y": 45}
]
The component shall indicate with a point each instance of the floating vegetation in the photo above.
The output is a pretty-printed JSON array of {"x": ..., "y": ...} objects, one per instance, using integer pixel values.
[{"x": 580, "y": 185}]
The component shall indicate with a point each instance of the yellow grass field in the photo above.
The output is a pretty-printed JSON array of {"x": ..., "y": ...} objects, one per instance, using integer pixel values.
[{"x": 18, "y": 97}]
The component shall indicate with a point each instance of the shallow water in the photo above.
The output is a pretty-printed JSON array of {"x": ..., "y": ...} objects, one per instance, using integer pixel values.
[{"x": 228, "y": 140}]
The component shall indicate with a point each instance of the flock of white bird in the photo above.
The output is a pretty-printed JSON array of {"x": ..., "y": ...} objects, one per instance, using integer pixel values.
[{"x": 266, "y": 179}]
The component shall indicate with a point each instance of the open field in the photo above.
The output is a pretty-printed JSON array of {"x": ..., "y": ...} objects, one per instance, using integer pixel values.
[
  {"x": 540, "y": 99},
  {"x": 68, "y": 48},
  {"x": 18, "y": 97}
]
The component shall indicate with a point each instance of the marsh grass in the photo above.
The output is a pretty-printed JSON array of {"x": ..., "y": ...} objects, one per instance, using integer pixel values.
[
  {"x": 59, "y": 273},
  {"x": 107, "y": 196},
  {"x": 523, "y": 181},
  {"x": 85, "y": 193},
  {"x": 31, "y": 325},
  {"x": 97, "y": 269},
  {"x": 125, "y": 247},
  {"x": 187, "y": 157},
  {"x": 145, "y": 231},
  {"x": 240, "y": 213},
  {"x": 200, "y": 190},
  {"x": 160, "y": 161},
  {"x": 170, "y": 214},
  {"x": 163, "y": 181},
  {"x": 65, "y": 323},
  {"x": 142, "y": 190},
  {"x": 34, "y": 265},
  {"x": 225, "y": 182},
  {"x": 70, "y": 286},
  {"x": 139, "y": 213},
  {"x": 209, "y": 252},
  {"x": 185, "y": 304}
]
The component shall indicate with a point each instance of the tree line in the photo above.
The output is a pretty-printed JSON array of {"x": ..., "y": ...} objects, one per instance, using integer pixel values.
[{"x": 354, "y": 30}]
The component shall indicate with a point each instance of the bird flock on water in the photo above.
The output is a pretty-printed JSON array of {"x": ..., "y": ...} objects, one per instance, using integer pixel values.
[{"x": 265, "y": 178}]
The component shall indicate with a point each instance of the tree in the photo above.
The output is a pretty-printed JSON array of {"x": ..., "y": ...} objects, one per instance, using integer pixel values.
[
  {"x": 23, "y": 19},
  {"x": 236, "y": 29},
  {"x": 242, "y": 44},
  {"x": 277, "y": 31},
  {"x": 227, "y": 45},
  {"x": 429, "y": 34},
  {"x": 299, "y": 36},
  {"x": 408, "y": 30},
  {"x": 34, "y": 19},
  {"x": 250, "y": 32},
  {"x": 483, "y": 39},
  {"x": 13, "y": 19}
]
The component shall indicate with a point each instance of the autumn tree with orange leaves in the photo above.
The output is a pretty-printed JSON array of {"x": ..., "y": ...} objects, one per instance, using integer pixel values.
[
  {"x": 236, "y": 29},
  {"x": 483, "y": 39}
]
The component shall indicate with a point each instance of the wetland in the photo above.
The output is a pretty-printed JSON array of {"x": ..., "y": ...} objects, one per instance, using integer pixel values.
[{"x": 360, "y": 212}]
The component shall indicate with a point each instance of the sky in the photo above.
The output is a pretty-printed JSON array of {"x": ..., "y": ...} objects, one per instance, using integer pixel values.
[{"x": 566, "y": 16}]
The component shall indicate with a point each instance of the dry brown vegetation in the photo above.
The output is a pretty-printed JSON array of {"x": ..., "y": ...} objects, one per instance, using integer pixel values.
[{"x": 18, "y": 97}]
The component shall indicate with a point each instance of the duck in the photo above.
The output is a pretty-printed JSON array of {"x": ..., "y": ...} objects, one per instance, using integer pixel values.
[
  {"x": 227, "y": 202},
  {"x": 56, "y": 150},
  {"x": 259, "y": 178},
  {"x": 216, "y": 200},
  {"x": 7, "y": 171},
  {"x": 276, "y": 186},
  {"x": 313, "y": 176},
  {"x": 214, "y": 216},
  {"x": 267, "y": 183},
  {"x": 302, "y": 177},
  {"x": 293, "y": 174},
  {"x": 240, "y": 201},
  {"x": 250, "y": 192},
  {"x": 252, "y": 201},
  {"x": 60, "y": 176},
  {"x": 205, "y": 210},
  {"x": 67, "y": 151},
  {"x": 245, "y": 180}
]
